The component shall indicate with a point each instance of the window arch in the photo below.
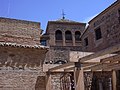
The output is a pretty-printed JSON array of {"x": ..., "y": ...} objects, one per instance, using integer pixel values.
[
  {"x": 58, "y": 35},
  {"x": 68, "y": 35},
  {"x": 77, "y": 35}
]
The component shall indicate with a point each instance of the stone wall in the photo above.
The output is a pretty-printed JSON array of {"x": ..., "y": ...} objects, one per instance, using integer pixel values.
[
  {"x": 109, "y": 22},
  {"x": 25, "y": 57},
  {"x": 55, "y": 81},
  {"x": 21, "y": 68},
  {"x": 60, "y": 53},
  {"x": 19, "y": 31},
  {"x": 64, "y": 26},
  {"x": 21, "y": 80}
]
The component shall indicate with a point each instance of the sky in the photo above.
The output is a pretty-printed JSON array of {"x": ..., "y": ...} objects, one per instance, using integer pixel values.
[{"x": 49, "y": 10}]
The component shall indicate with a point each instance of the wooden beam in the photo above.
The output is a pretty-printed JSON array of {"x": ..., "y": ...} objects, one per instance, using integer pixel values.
[
  {"x": 101, "y": 66},
  {"x": 111, "y": 59},
  {"x": 106, "y": 66},
  {"x": 113, "y": 67},
  {"x": 61, "y": 71},
  {"x": 115, "y": 62},
  {"x": 85, "y": 64},
  {"x": 69, "y": 69},
  {"x": 63, "y": 66},
  {"x": 109, "y": 50},
  {"x": 95, "y": 67}
]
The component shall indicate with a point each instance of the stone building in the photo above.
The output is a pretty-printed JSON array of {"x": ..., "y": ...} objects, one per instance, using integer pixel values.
[
  {"x": 21, "y": 55},
  {"x": 103, "y": 30},
  {"x": 62, "y": 36},
  {"x": 24, "y": 62},
  {"x": 101, "y": 35}
]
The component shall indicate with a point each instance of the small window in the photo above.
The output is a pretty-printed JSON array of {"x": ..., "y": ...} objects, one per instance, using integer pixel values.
[
  {"x": 118, "y": 75},
  {"x": 98, "y": 34},
  {"x": 43, "y": 42},
  {"x": 77, "y": 36},
  {"x": 86, "y": 41},
  {"x": 119, "y": 15},
  {"x": 119, "y": 12},
  {"x": 58, "y": 35},
  {"x": 68, "y": 35}
]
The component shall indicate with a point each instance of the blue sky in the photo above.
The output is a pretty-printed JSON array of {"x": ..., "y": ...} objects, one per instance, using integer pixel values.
[{"x": 45, "y": 10}]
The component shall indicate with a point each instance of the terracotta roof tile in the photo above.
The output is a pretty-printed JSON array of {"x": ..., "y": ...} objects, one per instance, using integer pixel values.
[{"x": 23, "y": 46}]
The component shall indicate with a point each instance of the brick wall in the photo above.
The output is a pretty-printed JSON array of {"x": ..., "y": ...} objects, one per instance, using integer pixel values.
[
  {"x": 20, "y": 80},
  {"x": 109, "y": 23},
  {"x": 53, "y": 26},
  {"x": 19, "y": 31},
  {"x": 21, "y": 68}
]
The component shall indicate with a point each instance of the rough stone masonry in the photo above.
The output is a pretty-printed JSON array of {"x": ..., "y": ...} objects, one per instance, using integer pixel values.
[{"x": 21, "y": 56}]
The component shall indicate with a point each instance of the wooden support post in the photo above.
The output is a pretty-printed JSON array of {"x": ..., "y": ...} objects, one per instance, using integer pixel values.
[
  {"x": 48, "y": 81},
  {"x": 114, "y": 79},
  {"x": 78, "y": 79}
]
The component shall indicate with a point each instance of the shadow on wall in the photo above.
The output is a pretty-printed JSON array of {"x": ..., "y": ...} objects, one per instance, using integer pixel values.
[{"x": 40, "y": 83}]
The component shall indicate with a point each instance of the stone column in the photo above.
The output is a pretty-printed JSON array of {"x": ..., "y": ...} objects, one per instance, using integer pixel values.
[
  {"x": 48, "y": 81},
  {"x": 64, "y": 44},
  {"x": 78, "y": 79},
  {"x": 73, "y": 38},
  {"x": 114, "y": 79},
  {"x": 52, "y": 39}
]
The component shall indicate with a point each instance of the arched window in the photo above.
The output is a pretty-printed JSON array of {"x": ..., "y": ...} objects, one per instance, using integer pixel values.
[
  {"x": 77, "y": 36},
  {"x": 58, "y": 35},
  {"x": 68, "y": 35}
]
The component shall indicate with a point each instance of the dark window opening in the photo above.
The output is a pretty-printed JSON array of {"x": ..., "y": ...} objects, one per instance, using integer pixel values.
[
  {"x": 58, "y": 35},
  {"x": 118, "y": 76},
  {"x": 118, "y": 80},
  {"x": 43, "y": 42},
  {"x": 119, "y": 12},
  {"x": 98, "y": 33},
  {"x": 68, "y": 35},
  {"x": 86, "y": 41},
  {"x": 60, "y": 62},
  {"x": 119, "y": 15},
  {"x": 77, "y": 36},
  {"x": 11, "y": 55}
]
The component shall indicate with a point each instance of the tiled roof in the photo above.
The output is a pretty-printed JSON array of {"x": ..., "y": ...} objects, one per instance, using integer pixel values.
[
  {"x": 66, "y": 20},
  {"x": 23, "y": 46}
]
